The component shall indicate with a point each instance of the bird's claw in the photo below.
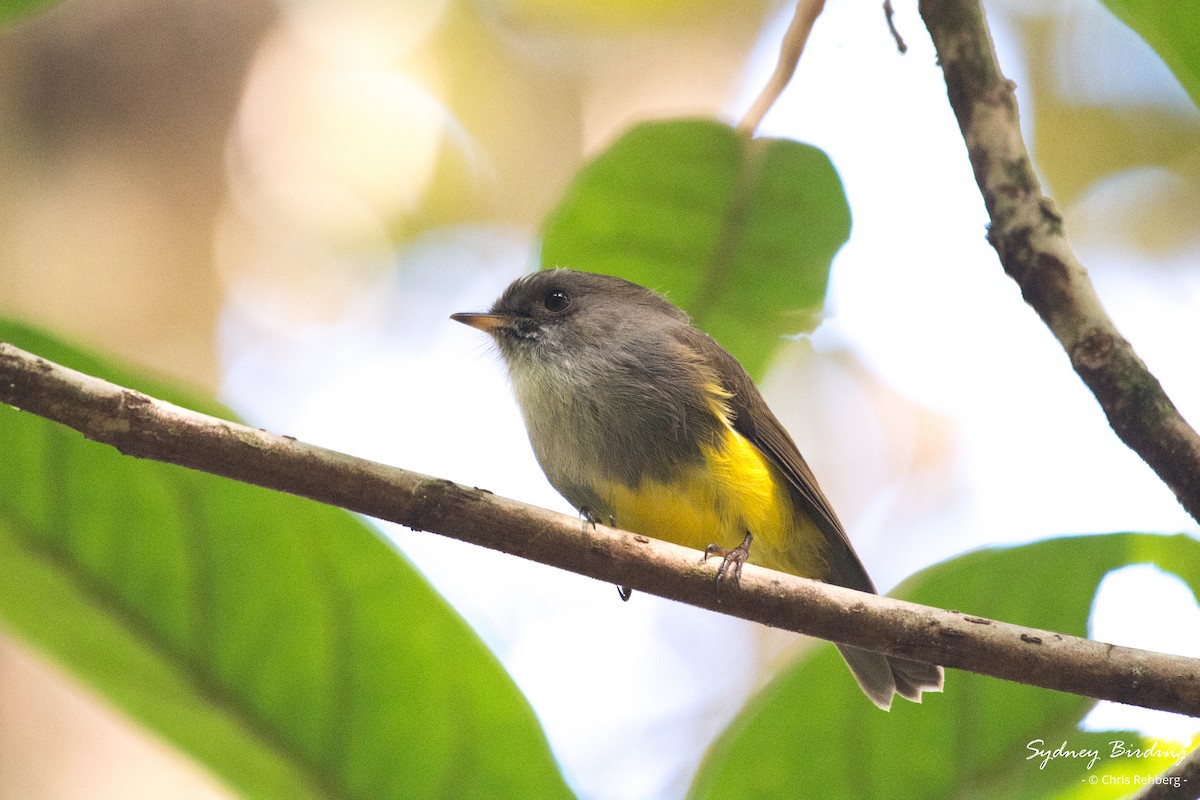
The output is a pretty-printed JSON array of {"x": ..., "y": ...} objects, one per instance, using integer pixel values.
[{"x": 732, "y": 560}]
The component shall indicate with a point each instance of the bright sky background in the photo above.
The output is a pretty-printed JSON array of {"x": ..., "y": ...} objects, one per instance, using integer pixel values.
[{"x": 630, "y": 694}]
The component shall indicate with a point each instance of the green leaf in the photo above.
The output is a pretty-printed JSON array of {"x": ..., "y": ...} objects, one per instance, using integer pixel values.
[
  {"x": 282, "y": 643},
  {"x": 1172, "y": 28},
  {"x": 738, "y": 232},
  {"x": 811, "y": 733}
]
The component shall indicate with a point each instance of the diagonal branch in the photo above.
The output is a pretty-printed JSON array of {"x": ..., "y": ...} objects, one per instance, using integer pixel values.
[
  {"x": 142, "y": 426},
  {"x": 1027, "y": 233}
]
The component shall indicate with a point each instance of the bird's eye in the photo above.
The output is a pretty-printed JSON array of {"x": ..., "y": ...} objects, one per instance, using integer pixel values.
[{"x": 557, "y": 300}]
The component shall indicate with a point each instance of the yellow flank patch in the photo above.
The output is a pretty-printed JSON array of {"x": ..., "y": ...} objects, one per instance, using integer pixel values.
[{"x": 735, "y": 490}]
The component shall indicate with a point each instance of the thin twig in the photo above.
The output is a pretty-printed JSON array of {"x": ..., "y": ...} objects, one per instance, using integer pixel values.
[
  {"x": 890, "y": 13},
  {"x": 1027, "y": 233},
  {"x": 790, "y": 49},
  {"x": 141, "y": 426}
]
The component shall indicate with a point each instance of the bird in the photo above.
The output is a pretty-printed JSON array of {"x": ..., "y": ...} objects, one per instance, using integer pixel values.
[{"x": 643, "y": 421}]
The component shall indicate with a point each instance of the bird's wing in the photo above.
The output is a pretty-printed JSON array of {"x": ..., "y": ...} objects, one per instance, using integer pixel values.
[{"x": 752, "y": 418}]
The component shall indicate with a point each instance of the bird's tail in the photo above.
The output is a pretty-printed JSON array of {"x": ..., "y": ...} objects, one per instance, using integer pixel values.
[{"x": 882, "y": 677}]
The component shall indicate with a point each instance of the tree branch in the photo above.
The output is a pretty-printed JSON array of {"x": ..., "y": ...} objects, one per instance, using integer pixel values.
[
  {"x": 1027, "y": 233},
  {"x": 141, "y": 426}
]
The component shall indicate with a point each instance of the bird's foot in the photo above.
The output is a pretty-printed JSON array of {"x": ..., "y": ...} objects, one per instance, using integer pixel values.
[{"x": 732, "y": 560}]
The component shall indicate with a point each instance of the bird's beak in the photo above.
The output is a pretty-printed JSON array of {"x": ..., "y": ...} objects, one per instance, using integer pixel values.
[{"x": 488, "y": 323}]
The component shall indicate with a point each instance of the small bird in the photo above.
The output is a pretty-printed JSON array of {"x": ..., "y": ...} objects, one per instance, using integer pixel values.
[{"x": 641, "y": 420}]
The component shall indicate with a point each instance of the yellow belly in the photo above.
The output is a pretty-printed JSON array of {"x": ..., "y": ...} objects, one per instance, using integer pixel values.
[{"x": 734, "y": 490}]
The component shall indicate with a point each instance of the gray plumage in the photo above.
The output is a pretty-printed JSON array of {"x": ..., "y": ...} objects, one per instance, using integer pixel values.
[{"x": 637, "y": 409}]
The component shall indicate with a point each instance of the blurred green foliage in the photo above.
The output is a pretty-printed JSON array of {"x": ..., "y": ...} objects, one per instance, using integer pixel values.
[
  {"x": 811, "y": 734},
  {"x": 1173, "y": 30},
  {"x": 282, "y": 643}
]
